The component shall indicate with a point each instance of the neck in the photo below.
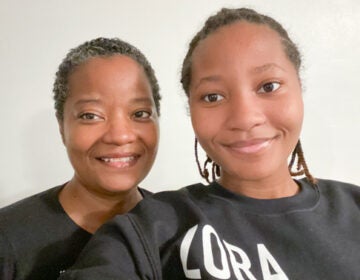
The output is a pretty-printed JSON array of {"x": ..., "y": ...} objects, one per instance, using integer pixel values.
[
  {"x": 90, "y": 209},
  {"x": 271, "y": 187}
]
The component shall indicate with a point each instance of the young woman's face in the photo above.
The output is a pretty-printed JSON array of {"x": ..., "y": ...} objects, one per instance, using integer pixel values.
[
  {"x": 110, "y": 126},
  {"x": 245, "y": 101}
]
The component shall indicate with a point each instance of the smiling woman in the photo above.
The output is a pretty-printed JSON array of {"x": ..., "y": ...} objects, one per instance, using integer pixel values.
[{"x": 107, "y": 106}]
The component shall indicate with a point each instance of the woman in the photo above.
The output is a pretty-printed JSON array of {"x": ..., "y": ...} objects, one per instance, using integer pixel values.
[
  {"x": 255, "y": 221},
  {"x": 107, "y": 106}
]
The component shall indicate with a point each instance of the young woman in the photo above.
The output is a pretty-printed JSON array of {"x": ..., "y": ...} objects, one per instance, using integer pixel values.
[
  {"x": 255, "y": 221},
  {"x": 107, "y": 106}
]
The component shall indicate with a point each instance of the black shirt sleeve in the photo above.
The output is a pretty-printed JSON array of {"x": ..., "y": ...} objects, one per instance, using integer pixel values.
[{"x": 116, "y": 251}]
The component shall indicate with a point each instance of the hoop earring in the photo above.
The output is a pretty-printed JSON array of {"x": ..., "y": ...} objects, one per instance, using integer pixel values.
[
  {"x": 204, "y": 173},
  {"x": 301, "y": 165},
  {"x": 296, "y": 155}
]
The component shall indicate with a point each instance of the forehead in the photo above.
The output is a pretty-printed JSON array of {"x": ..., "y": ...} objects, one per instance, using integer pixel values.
[
  {"x": 113, "y": 64},
  {"x": 116, "y": 76},
  {"x": 108, "y": 72},
  {"x": 248, "y": 41}
]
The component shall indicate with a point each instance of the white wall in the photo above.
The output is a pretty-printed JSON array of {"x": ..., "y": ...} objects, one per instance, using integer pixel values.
[{"x": 35, "y": 36}]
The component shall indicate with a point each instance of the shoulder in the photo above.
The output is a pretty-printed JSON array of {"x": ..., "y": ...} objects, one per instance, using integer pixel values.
[
  {"x": 173, "y": 199},
  {"x": 339, "y": 192},
  {"x": 24, "y": 212},
  {"x": 145, "y": 192},
  {"x": 167, "y": 209},
  {"x": 338, "y": 186},
  {"x": 194, "y": 191},
  {"x": 28, "y": 203}
]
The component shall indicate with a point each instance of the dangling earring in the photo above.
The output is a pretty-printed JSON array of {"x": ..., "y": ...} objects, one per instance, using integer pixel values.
[
  {"x": 204, "y": 173},
  {"x": 215, "y": 171},
  {"x": 301, "y": 165},
  {"x": 295, "y": 155}
]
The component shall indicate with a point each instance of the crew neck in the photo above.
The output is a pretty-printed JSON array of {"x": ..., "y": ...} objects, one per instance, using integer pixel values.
[{"x": 306, "y": 199}]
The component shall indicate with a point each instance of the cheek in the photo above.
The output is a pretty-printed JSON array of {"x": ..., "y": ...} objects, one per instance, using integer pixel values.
[
  {"x": 291, "y": 115},
  {"x": 150, "y": 136},
  {"x": 198, "y": 122},
  {"x": 205, "y": 125},
  {"x": 79, "y": 139},
  {"x": 296, "y": 114}
]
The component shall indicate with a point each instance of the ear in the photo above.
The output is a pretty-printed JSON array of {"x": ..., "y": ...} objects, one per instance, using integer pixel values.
[{"x": 61, "y": 128}]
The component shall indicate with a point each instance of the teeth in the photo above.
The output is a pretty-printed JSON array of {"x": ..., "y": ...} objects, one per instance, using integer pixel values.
[{"x": 122, "y": 159}]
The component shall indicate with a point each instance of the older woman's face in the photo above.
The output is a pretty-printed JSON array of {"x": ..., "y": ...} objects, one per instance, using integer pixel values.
[
  {"x": 110, "y": 126},
  {"x": 245, "y": 101}
]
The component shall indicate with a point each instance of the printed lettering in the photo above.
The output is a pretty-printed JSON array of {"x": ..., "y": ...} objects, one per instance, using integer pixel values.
[
  {"x": 184, "y": 254},
  {"x": 218, "y": 265},
  {"x": 266, "y": 259},
  {"x": 244, "y": 266},
  {"x": 220, "y": 273}
]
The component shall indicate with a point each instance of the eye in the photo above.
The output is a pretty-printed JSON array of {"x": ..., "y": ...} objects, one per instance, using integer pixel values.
[
  {"x": 142, "y": 114},
  {"x": 89, "y": 116},
  {"x": 269, "y": 87},
  {"x": 213, "y": 97}
]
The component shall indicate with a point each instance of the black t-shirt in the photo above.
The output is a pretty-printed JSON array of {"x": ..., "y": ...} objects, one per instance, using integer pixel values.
[
  {"x": 207, "y": 232},
  {"x": 38, "y": 239}
]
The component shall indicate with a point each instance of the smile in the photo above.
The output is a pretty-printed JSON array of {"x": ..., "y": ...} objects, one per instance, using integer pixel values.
[
  {"x": 123, "y": 159},
  {"x": 251, "y": 146},
  {"x": 119, "y": 162}
]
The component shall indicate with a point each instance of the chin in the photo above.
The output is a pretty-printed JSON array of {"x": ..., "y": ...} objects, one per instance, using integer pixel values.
[
  {"x": 117, "y": 187},
  {"x": 255, "y": 174}
]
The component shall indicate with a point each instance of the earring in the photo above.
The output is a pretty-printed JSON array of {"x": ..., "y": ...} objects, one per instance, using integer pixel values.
[
  {"x": 204, "y": 173},
  {"x": 301, "y": 166},
  {"x": 297, "y": 154}
]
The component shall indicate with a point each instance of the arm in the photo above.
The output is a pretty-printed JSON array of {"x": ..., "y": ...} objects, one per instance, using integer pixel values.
[{"x": 118, "y": 251}]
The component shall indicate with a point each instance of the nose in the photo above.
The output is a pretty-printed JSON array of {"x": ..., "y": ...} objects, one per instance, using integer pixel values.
[
  {"x": 120, "y": 130},
  {"x": 245, "y": 112}
]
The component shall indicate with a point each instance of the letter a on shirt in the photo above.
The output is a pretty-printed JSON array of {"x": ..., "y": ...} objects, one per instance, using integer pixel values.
[{"x": 267, "y": 260}]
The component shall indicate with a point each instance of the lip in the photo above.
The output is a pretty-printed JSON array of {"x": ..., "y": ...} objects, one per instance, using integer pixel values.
[
  {"x": 119, "y": 160},
  {"x": 251, "y": 146}
]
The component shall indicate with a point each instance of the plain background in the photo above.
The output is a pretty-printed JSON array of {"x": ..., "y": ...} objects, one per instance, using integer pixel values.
[{"x": 36, "y": 35}]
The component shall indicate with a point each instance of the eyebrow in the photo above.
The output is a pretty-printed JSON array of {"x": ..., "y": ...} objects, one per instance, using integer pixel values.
[
  {"x": 255, "y": 70},
  {"x": 213, "y": 78},
  {"x": 144, "y": 100},
  {"x": 265, "y": 67},
  {"x": 86, "y": 101}
]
